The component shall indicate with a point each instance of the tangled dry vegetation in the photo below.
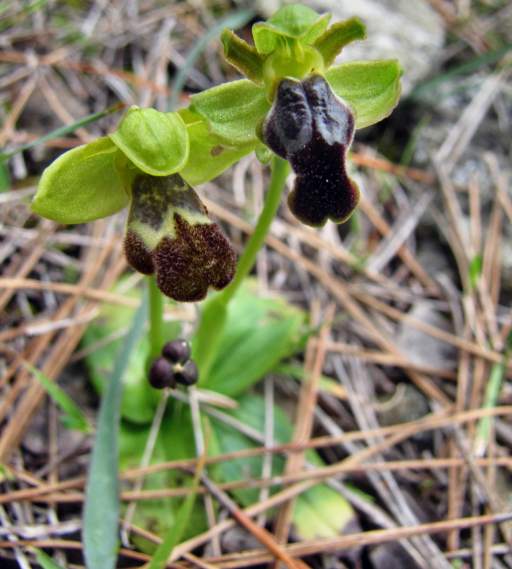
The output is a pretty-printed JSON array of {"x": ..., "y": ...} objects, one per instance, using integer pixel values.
[{"x": 411, "y": 300}]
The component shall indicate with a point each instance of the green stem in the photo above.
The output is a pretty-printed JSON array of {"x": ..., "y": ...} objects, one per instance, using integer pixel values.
[
  {"x": 246, "y": 262},
  {"x": 156, "y": 319},
  {"x": 213, "y": 318}
]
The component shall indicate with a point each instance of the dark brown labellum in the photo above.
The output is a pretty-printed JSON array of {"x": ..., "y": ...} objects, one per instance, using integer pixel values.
[
  {"x": 169, "y": 233},
  {"x": 313, "y": 129}
]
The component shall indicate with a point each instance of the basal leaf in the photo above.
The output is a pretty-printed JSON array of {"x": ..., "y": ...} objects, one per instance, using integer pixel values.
[
  {"x": 318, "y": 512},
  {"x": 294, "y": 21},
  {"x": 259, "y": 332},
  {"x": 157, "y": 143},
  {"x": 370, "y": 88},
  {"x": 209, "y": 154},
  {"x": 321, "y": 512},
  {"x": 82, "y": 185},
  {"x": 232, "y": 110},
  {"x": 101, "y": 510}
]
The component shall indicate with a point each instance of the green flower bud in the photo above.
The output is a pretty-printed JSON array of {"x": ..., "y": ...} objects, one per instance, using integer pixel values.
[
  {"x": 312, "y": 128},
  {"x": 169, "y": 233}
]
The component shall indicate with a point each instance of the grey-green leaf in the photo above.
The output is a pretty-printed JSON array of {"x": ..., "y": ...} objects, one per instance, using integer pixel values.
[
  {"x": 82, "y": 185},
  {"x": 157, "y": 143},
  {"x": 101, "y": 515},
  {"x": 371, "y": 88},
  {"x": 232, "y": 110}
]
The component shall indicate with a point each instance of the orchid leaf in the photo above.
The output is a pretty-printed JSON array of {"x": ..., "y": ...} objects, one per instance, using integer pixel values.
[
  {"x": 157, "y": 143},
  {"x": 232, "y": 110},
  {"x": 82, "y": 185},
  {"x": 370, "y": 88},
  {"x": 293, "y": 22}
]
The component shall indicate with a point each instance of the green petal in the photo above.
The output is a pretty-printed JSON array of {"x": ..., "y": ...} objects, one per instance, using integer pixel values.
[
  {"x": 232, "y": 110},
  {"x": 81, "y": 185},
  {"x": 209, "y": 155},
  {"x": 242, "y": 56},
  {"x": 370, "y": 88},
  {"x": 157, "y": 143},
  {"x": 294, "y": 21},
  {"x": 337, "y": 36}
]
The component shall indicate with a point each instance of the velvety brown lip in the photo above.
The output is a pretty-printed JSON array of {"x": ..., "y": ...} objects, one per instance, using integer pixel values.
[
  {"x": 194, "y": 257},
  {"x": 312, "y": 129}
]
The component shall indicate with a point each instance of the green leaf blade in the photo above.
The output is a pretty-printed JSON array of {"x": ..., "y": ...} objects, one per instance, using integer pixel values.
[
  {"x": 101, "y": 514},
  {"x": 82, "y": 185},
  {"x": 232, "y": 110},
  {"x": 370, "y": 88},
  {"x": 157, "y": 143}
]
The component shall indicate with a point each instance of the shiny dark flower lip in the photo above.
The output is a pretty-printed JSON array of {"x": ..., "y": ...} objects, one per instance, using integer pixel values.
[
  {"x": 170, "y": 234},
  {"x": 309, "y": 126}
]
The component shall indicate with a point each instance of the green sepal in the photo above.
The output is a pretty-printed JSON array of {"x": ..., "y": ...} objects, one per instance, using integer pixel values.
[
  {"x": 82, "y": 185},
  {"x": 157, "y": 143},
  {"x": 232, "y": 110},
  {"x": 337, "y": 36},
  {"x": 290, "y": 22},
  {"x": 209, "y": 154},
  {"x": 370, "y": 88},
  {"x": 242, "y": 56}
]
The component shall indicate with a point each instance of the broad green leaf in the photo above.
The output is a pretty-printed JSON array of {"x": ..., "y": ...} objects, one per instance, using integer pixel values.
[
  {"x": 294, "y": 21},
  {"x": 232, "y": 110},
  {"x": 101, "y": 511},
  {"x": 102, "y": 335},
  {"x": 321, "y": 512},
  {"x": 242, "y": 56},
  {"x": 45, "y": 560},
  {"x": 209, "y": 155},
  {"x": 371, "y": 88},
  {"x": 73, "y": 417},
  {"x": 82, "y": 185},
  {"x": 157, "y": 143},
  {"x": 318, "y": 512},
  {"x": 337, "y": 36},
  {"x": 259, "y": 332}
]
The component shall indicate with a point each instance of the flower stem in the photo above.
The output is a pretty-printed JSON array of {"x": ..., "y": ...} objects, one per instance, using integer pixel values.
[
  {"x": 213, "y": 318},
  {"x": 156, "y": 319},
  {"x": 245, "y": 264}
]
